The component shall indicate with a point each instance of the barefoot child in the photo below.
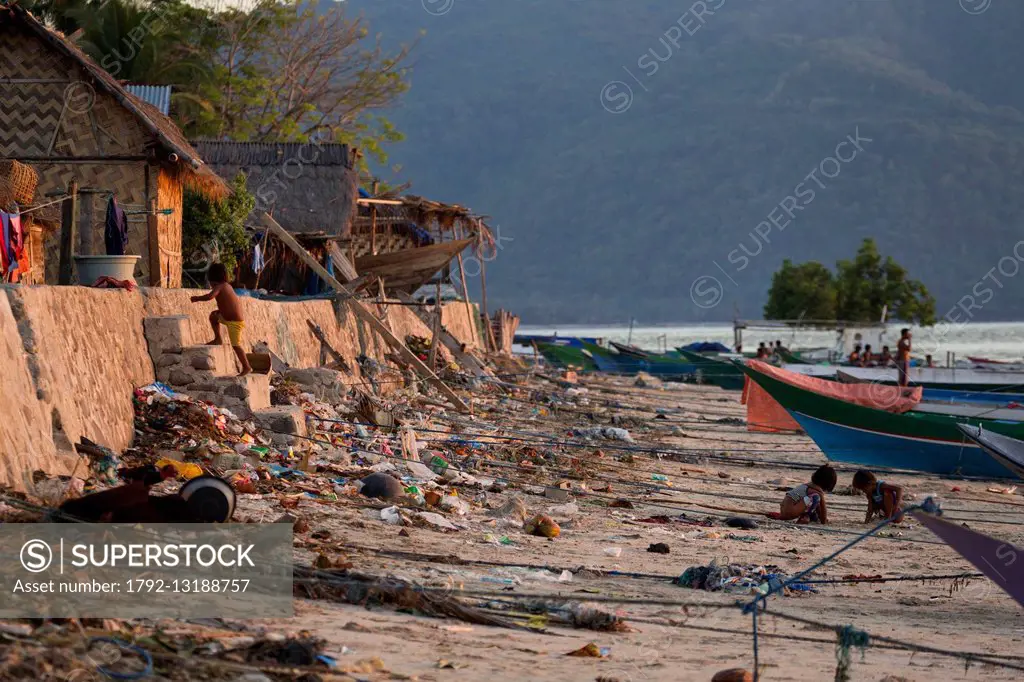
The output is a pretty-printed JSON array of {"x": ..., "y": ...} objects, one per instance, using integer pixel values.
[
  {"x": 228, "y": 313},
  {"x": 884, "y": 499},
  {"x": 806, "y": 502}
]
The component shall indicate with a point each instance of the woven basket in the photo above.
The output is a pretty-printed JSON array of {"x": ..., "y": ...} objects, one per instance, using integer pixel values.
[{"x": 17, "y": 182}]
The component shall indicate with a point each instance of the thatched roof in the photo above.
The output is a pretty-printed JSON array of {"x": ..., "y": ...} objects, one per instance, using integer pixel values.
[
  {"x": 442, "y": 221},
  {"x": 306, "y": 186},
  {"x": 166, "y": 133},
  {"x": 224, "y": 153}
]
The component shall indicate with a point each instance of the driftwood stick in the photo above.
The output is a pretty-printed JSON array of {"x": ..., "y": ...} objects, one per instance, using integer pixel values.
[{"x": 365, "y": 314}]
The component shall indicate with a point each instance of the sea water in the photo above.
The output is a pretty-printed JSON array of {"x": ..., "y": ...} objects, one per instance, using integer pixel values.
[{"x": 994, "y": 340}]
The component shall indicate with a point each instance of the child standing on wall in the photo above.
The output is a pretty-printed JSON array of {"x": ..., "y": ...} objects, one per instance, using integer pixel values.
[{"x": 228, "y": 313}]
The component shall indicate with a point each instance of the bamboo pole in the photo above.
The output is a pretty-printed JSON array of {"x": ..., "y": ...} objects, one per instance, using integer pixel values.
[
  {"x": 68, "y": 227},
  {"x": 156, "y": 279},
  {"x": 435, "y": 339},
  {"x": 364, "y": 313}
]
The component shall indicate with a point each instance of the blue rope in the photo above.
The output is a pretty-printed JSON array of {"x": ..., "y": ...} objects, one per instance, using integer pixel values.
[
  {"x": 125, "y": 646},
  {"x": 757, "y": 666},
  {"x": 927, "y": 505},
  {"x": 847, "y": 636}
]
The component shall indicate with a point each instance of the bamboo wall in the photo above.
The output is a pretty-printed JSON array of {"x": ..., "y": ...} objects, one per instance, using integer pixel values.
[{"x": 52, "y": 118}]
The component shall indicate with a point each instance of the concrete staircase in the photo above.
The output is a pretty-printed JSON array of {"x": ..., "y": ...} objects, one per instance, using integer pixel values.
[{"x": 210, "y": 373}]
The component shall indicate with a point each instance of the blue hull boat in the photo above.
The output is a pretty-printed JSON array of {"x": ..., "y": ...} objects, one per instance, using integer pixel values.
[
  {"x": 877, "y": 449},
  {"x": 945, "y": 395}
]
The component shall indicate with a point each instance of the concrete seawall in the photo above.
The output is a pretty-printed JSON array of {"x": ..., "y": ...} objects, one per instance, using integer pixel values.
[{"x": 71, "y": 356}]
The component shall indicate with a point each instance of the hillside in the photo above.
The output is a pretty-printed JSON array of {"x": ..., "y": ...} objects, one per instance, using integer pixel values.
[{"x": 615, "y": 215}]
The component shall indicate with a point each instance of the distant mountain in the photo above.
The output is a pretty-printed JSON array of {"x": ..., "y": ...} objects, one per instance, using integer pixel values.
[{"x": 606, "y": 216}]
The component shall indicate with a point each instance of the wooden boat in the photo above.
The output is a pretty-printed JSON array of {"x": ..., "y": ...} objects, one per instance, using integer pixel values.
[
  {"x": 990, "y": 411},
  {"x": 1007, "y": 451},
  {"x": 663, "y": 367},
  {"x": 945, "y": 395},
  {"x": 938, "y": 377},
  {"x": 918, "y": 441},
  {"x": 408, "y": 269},
  {"x": 715, "y": 370},
  {"x": 566, "y": 356},
  {"x": 995, "y": 365}
]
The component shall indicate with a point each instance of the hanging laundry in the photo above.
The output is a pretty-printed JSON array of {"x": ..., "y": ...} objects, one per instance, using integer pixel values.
[
  {"x": 16, "y": 246},
  {"x": 257, "y": 260},
  {"x": 5, "y": 230},
  {"x": 116, "y": 233}
]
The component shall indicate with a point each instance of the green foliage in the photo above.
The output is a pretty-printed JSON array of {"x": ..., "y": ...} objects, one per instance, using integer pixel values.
[
  {"x": 216, "y": 225},
  {"x": 285, "y": 71},
  {"x": 281, "y": 71},
  {"x": 858, "y": 292},
  {"x": 804, "y": 291},
  {"x": 868, "y": 283}
]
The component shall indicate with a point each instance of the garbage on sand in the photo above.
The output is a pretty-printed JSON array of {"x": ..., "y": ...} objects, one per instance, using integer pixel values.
[
  {"x": 382, "y": 486},
  {"x": 590, "y": 650},
  {"x": 544, "y": 526},
  {"x": 735, "y": 578},
  {"x": 606, "y": 432}
]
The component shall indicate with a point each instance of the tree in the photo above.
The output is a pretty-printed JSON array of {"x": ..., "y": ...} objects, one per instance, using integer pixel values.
[
  {"x": 216, "y": 226},
  {"x": 290, "y": 71},
  {"x": 869, "y": 283},
  {"x": 858, "y": 292},
  {"x": 804, "y": 291},
  {"x": 283, "y": 71}
]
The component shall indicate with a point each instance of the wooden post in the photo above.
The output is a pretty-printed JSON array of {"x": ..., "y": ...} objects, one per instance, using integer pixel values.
[
  {"x": 365, "y": 313},
  {"x": 68, "y": 227},
  {"x": 86, "y": 232},
  {"x": 153, "y": 227},
  {"x": 435, "y": 339},
  {"x": 373, "y": 219}
]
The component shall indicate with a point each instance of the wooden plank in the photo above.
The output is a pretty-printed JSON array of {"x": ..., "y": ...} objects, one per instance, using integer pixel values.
[
  {"x": 465, "y": 359},
  {"x": 365, "y": 314},
  {"x": 68, "y": 227},
  {"x": 342, "y": 265},
  {"x": 410, "y": 268},
  {"x": 325, "y": 346}
]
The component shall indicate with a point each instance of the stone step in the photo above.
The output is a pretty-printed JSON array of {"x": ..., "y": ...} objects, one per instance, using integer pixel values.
[
  {"x": 166, "y": 333},
  {"x": 220, "y": 360},
  {"x": 182, "y": 367},
  {"x": 242, "y": 395},
  {"x": 285, "y": 424}
]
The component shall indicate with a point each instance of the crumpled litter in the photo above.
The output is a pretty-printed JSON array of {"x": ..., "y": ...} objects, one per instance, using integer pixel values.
[{"x": 606, "y": 432}]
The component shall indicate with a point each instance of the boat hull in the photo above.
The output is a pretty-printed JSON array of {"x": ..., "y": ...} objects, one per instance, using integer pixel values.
[
  {"x": 855, "y": 434},
  {"x": 874, "y": 449}
]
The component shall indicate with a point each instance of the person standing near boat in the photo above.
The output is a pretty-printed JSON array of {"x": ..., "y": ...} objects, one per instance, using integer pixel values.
[{"x": 903, "y": 348}]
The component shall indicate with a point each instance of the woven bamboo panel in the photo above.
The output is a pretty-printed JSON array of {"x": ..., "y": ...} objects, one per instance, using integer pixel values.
[
  {"x": 385, "y": 244},
  {"x": 67, "y": 118},
  {"x": 128, "y": 182}
]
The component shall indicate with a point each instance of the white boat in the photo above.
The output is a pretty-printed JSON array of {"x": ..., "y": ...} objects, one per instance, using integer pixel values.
[
  {"x": 1009, "y": 414},
  {"x": 937, "y": 377}
]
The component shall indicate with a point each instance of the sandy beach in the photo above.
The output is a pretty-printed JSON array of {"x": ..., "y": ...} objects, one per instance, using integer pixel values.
[{"x": 667, "y": 640}]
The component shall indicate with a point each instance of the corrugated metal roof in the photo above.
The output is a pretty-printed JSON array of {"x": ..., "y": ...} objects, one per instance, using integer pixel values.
[{"x": 157, "y": 95}]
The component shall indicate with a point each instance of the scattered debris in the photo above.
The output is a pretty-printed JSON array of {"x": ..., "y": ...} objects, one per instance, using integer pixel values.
[
  {"x": 658, "y": 548},
  {"x": 544, "y": 526}
]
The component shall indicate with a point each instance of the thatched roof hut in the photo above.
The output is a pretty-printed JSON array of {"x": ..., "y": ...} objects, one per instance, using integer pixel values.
[
  {"x": 69, "y": 119},
  {"x": 307, "y": 187}
]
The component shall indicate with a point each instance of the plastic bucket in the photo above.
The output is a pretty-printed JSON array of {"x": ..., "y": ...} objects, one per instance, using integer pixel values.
[{"x": 91, "y": 268}]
